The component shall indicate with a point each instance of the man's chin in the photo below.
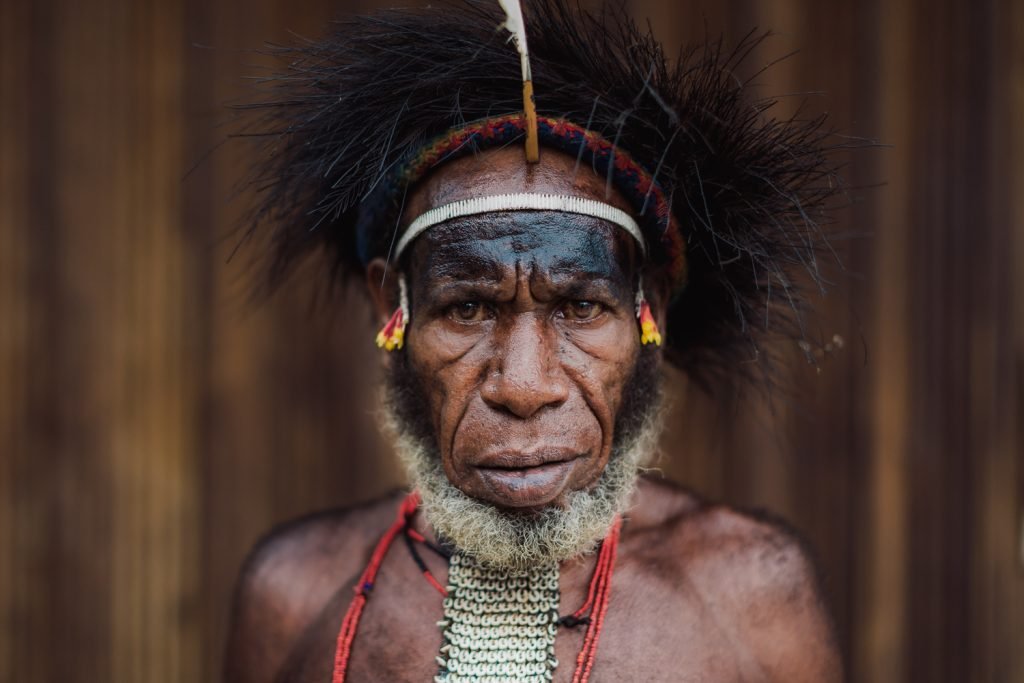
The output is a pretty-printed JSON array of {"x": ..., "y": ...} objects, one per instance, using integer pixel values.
[{"x": 518, "y": 537}]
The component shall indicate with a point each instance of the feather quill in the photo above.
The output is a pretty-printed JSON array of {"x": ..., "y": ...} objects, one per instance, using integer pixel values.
[{"x": 516, "y": 25}]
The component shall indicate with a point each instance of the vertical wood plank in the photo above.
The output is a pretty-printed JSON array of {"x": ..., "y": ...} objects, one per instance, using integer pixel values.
[
  {"x": 996, "y": 364},
  {"x": 1012, "y": 19},
  {"x": 949, "y": 233},
  {"x": 15, "y": 332},
  {"x": 880, "y": 650},
  {"x": 127, "y": 483}
]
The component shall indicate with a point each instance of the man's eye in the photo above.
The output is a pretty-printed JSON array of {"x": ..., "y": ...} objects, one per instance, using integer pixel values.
[
  {"x": 582, "y": 310},
  {"x": 469, "y": 312}
]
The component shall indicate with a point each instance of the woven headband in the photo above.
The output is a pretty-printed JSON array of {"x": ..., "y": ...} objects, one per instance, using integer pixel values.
[
  {"x": 651, "y": 207},
  {"x": 521, "y": 202}
]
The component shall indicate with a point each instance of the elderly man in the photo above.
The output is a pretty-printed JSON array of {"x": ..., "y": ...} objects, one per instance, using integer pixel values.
[{"x": 528, "y": 297}]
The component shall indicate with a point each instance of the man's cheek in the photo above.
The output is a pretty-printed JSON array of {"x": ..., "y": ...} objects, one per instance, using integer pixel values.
[
  {"x": 450, "y": 397},
  {"x": 601, "y": 384}
]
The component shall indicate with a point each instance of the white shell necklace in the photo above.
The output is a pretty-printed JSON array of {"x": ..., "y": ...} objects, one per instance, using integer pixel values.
[{"x": 499, "y": 627}]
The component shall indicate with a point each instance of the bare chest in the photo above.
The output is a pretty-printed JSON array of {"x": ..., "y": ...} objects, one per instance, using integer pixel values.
[{"x": 650, "y": 633}]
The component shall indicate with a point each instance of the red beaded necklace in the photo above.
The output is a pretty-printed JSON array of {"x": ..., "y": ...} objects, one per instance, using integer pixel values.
[{"x": 591, "y": 612}]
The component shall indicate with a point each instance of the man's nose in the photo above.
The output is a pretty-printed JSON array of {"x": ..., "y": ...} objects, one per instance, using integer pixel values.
[{"x": 525, "y": 375}]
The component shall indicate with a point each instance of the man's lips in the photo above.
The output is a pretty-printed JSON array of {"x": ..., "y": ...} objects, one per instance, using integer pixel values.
[
  {"x": 515, "y": 460},
  {"x": 526, "y": 480}
]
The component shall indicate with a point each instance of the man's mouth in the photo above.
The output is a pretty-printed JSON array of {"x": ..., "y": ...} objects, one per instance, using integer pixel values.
[{"x": 524, "y": 480}]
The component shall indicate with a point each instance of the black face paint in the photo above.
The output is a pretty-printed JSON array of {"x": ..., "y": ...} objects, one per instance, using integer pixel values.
[{"x": 561, "y": 249}]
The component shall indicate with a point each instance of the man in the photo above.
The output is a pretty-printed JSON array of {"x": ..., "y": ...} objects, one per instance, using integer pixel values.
[{"x": 523, "y": 298}]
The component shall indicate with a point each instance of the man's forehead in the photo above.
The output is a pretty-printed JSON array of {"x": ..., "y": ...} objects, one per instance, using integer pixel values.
[{"x": 559, "y": 245}]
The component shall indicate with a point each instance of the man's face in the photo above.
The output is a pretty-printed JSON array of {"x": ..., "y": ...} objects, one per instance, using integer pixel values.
[{"x": 523, "y": 333}]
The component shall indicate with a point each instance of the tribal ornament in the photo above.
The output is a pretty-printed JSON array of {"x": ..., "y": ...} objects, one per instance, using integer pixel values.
[
  {"x": 517, "y": 27},
  {"x": 649, "y": 202},
  {"x": 392, "y": 335},
  {"x": 498, "y": 628},
  {"x": 525, "y": 201},
  {"x": 649, "y": 333},
  {"x": 735, "y": 199}
]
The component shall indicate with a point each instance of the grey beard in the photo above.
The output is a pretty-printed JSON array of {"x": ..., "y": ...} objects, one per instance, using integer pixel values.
[{"x": 515, "y": 540}]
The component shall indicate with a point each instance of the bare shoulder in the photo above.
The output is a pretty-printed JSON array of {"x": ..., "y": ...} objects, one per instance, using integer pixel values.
[
  {"x": 290, "y": 576},
  {"x": 754, "y": 553},
  {"x": 752, "y": 572}
]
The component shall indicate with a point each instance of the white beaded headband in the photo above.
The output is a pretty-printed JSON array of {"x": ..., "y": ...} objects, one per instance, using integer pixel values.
[{"x": 521, "y": 202}]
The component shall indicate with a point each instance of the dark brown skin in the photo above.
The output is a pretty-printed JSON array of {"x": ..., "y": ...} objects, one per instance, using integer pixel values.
[
  {"x": 523, "y": 335},
  {"x": 492, "y": 301}
]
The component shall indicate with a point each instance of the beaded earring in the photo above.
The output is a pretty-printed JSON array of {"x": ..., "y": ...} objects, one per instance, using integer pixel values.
[
  {"x": 649, "y": 333},
  {"x": 392, "y": 335}
]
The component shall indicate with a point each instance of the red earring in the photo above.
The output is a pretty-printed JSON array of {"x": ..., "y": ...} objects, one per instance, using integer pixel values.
[
  {"x": 392, "y": 335},
  {"x": 649, "y": 333}
]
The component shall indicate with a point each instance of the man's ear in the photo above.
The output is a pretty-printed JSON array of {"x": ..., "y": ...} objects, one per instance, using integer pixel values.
[{"x": 382, "y": 285}]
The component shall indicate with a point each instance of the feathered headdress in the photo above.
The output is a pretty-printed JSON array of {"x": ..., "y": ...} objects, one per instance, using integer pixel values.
[{"x": 358, "y": 116}]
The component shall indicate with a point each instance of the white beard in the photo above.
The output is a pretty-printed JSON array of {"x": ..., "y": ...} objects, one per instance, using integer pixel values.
[{"x": 516, "y": 541}]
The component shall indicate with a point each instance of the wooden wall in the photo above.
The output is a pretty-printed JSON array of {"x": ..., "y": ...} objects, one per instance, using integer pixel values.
[{"x": 152, "y": 424}]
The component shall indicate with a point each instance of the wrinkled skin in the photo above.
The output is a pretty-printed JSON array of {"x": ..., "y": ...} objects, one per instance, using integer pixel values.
[
  {"x": 491, "y": 297},
  {"x": 523, "y": 336}
]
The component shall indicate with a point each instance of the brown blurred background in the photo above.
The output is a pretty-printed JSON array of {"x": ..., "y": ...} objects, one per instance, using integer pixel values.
[{"x": 152, "y": 424}]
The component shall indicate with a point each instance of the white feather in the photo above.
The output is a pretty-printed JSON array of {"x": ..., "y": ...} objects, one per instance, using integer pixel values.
[{"x": 517, "y": 27}]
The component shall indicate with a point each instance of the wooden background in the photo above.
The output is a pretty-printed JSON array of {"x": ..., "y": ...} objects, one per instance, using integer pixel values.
[{"x": 152, "y": 424}]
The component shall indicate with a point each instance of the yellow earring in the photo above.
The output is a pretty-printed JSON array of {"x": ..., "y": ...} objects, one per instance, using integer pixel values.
[
  {"x": 392, "y": 335},
  {"x": 649, "y": 333}
]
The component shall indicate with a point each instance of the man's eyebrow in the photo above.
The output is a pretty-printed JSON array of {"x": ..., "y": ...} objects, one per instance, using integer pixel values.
[
  {"x": 589, "y": 286},
  {"x": 463, "y": 266},
  {"x": 584, "y": 274},
  {"x": 585, "y": 270}
]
